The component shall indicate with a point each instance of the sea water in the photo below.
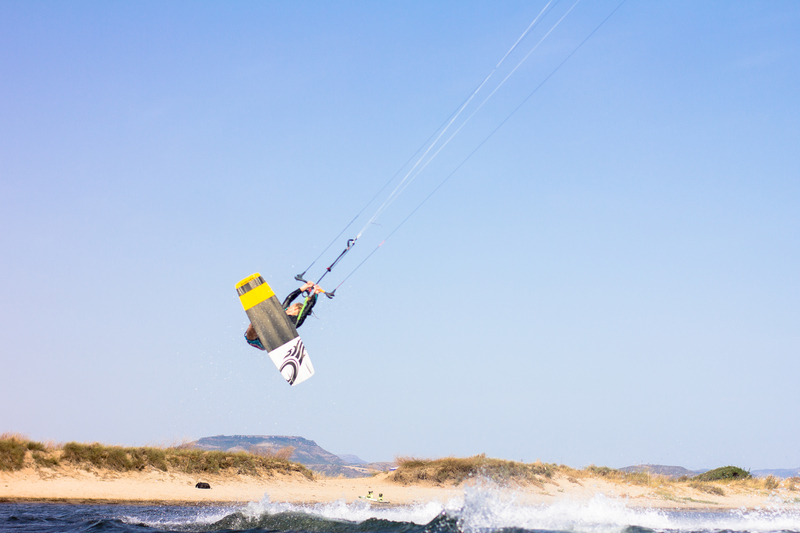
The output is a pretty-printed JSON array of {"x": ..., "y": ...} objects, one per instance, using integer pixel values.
[{"x": 481, "y": 509}]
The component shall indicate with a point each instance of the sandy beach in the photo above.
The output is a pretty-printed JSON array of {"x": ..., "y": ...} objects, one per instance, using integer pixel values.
[{"x": 78, "y": 485}]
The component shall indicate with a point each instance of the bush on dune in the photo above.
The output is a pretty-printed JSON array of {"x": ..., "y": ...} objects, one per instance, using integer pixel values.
[
  {"x": 182, "y": 459},
  {"x": 45, "y": 460},
  {"x": 14, "y": 449},
  {"x": 604, "y": 471},
  {"x": 707, "y": 488},
  {"x": 771, "y": 482},
  {"x": 115, "y": 457},
  {"x": 724, "y": 473},
  {"x": 12, "y": 454},
  {"x": 455, "y": 470}
]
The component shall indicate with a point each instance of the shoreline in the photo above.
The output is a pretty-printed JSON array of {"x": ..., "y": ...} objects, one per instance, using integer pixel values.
[{"x": 102, "y": 487}]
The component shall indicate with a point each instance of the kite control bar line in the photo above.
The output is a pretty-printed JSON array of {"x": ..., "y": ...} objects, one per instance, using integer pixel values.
[
  {"x": 350, "y": 244},
  {"x": 323, "y": 291},
  {"x": 443, "y": 127},
  {"x": 449, "y": 121},
  {"x": 334, "y": 240},
  {"x": 333, "y": 292}
]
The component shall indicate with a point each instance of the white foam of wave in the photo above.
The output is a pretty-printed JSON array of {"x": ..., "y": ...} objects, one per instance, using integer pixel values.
[
  {"x": 485, "y": 508},
  {"x": 488, "y": 508},
  {"x": 770, "y": 519},
  {"x": 180, "y": 517},
  {"x": 358, "y": 511}
]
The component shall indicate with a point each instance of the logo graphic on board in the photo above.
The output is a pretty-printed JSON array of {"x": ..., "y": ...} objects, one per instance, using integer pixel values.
[{"x": 293, "y": 361}]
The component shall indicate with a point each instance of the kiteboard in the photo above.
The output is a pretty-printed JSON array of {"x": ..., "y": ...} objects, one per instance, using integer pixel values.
[{"x": 275, "y": 330}]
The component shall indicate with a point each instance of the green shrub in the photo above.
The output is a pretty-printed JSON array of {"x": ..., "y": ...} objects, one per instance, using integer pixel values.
[
  {"x": 98, "y": 455},
  {"x": 12, "y": 453},
  {"x": 117, "y": 458},
  {"x": 93, "y": 454},
  {"x": 724, "y": 473},
  {"x": 155, "y": 457},
  {"x": 456, "y": 470},
  {"x": 604, "y": 471},
  {"x": 35, "y": 446},
  {"x": 43, "y": 459}
]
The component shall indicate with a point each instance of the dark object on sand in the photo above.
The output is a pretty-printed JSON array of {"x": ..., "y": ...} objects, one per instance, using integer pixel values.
[{"x": 203, "y": 485}]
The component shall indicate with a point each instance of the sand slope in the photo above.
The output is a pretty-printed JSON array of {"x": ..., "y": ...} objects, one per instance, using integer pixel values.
[{"x": 79, "y": 485}]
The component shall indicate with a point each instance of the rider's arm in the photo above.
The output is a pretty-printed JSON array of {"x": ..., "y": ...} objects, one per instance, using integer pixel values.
[
  {"x": 307, "y": 286},
  {"x": 306, "y": 310},
  {"x": 292, "y": 296}
]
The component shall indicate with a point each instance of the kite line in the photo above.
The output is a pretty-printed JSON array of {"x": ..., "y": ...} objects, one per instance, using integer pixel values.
[{"x": 441, "y": 131}]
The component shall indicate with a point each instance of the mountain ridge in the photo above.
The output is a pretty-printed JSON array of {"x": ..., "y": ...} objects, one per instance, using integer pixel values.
[
  {"x": 304, "y": 451},
  {"x": 309, "y": 453},
  {"x": 679, "y": 471}
]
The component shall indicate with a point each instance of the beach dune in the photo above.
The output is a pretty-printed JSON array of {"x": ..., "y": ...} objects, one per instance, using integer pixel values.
[
  {"x": 81, "y": 485},
  {"x": 74, "y": 472}
]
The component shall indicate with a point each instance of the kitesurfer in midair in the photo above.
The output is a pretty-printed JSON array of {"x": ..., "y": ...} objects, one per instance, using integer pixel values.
[{"x": 297, "y": 313}]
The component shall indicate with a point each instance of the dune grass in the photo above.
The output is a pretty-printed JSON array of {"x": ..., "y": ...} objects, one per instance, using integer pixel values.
[
  {"x": 646, "y": 479},
  {"x": 16, "y": 451},
  {"x": 12, "y": 453},
  {"x": 14, "y": 447},
  {"x": 281, "y": 453},
  {"x": 455, "y": 470},
  {"x": 115, "y": 457},
  {"x": 451, "y": 470},
  {"x": 708, "y": 488},
  {"x": 712, "y": 482},
  {"x": 46, "y": 460}
]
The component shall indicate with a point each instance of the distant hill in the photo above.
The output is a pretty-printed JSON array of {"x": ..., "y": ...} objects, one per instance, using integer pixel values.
[
  {"x": 306, "y": 452},
  {"x": 679, "y": 471},
  {"x": 351, "y": 471},
  {"x": 352, "y": 459},
  {"x": 778, "y": 472},
  {"x": 662, "y": 470}
]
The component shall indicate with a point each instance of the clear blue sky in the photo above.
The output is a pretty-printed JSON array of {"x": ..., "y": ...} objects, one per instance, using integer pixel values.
[{"x": 611, "y": 279}]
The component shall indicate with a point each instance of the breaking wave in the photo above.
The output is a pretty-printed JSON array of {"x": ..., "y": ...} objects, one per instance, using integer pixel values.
[{"x": 480, "y": 509}]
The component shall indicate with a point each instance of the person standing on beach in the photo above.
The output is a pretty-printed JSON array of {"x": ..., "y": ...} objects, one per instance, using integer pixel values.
[{"x": 297, "y": 313}]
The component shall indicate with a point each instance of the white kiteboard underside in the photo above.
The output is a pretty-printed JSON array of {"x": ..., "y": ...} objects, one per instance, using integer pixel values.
[{"x": 292, "y": 361}]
